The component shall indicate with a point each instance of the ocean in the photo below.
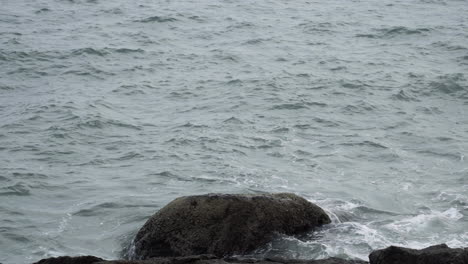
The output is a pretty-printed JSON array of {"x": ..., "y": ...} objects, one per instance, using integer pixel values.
[{"x": 111, "y": 109}]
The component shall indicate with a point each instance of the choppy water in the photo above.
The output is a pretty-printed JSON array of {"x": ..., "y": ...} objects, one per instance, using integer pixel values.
[{"x": 110, "y": 109}]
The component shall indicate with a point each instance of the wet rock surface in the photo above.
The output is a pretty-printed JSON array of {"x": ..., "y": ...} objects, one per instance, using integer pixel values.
[
  {"x": 224, "y": 224},
  {"x": 438, "y": 254}
]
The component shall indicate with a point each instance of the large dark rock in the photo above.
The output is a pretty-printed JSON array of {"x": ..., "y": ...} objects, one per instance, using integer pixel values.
[
  {"x": 71, "y": 260},
  {"x": 206, "y": 259},
  {"x": 224, "y": 224},
  {"x": 439, "y": 254}
]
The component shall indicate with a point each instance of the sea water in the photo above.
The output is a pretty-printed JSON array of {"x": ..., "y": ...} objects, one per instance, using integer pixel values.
[{"x": 111, "y": 109}]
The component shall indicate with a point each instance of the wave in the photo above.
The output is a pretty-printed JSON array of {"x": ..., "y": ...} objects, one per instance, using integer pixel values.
[
  {"x": 89, "y": 51},
  {"x": 405, "y": 96},
  {"x": 191, "y": 125},
  {"x": 455, "y": 199},
  {"x": 60, "y": 55},
  {"x": 29, "y": 175},
  {"x": 127, "y": 50},
  {"x": 359, "y": 108},
  {"x": 256, "y": 41},
  {"x": 100, "y": 209},
  {"x": 158, "y": 19},
  {"x": 351, "y": 235},
  {"x": 5, "y": 87},
  {"x": 394, "y": 32},
  {"x": 239, "y": 25},
  {"x": 104, "y": 51},
  {"x": 18, "y": 189},
  {"x": 280, "y": 130},
  {"x": 99, "y": 123},
  {"x": 449, "y": 46},
  {"x": 317, "y": 28},
  {"x": 290, "y": 106},
  {"x": 31, "y": 55},
  {"x": 450, "y": 84},
  {"x": 365, "y": 143},
  {"x": 426, "y": 223},
  {"x": 14, "y": 236},
  {"x": 63, "y": 117},
  {"x": 131, "y": 90},
  {"x": 129, "y": 156},
  {"x": 349, "y": 240},
  {"x": 11, "y": 33},
  {"x": 233, "y": 120},
  {"x": 463, "y": 60},
  {"x": 434, "y": 152},
  {"x": 88, "y": 71}
]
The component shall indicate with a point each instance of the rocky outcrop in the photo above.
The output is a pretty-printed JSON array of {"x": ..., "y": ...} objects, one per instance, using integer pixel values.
[
  {"x": 224, "y": 224},
  {"x": 209, "y": 259},
  {"x": 438, "y": 254}
]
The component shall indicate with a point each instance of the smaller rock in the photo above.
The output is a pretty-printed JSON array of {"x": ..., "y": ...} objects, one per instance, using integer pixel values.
[
  {"x": 438, "y": 254},
  {"x": 71, "y": 260},
  {"x": 319, "y": 261}
]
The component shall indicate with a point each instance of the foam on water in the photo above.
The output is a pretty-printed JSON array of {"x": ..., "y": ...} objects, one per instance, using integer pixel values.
[{"x": 347, "y": 238}]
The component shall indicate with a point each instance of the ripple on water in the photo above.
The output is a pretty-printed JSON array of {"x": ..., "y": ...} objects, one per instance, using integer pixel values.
[
  {"x": 17, "y": 189},
  {"x": 128, "y": 50},
  {"x": 233, "y": 120},
  {"x": 29, "y": 175},
  {"x": 88, "y": 71},
  {"x": 449, "y": 46},
  {"x": 365, "y": 143},
  {"x": 456, "y": 199},
  {"x": 450, "y": 84},
  {"x": 101, "y": 209},
  {"x": 360, "y": 107},
  {"x": 101, "y": 123},
  {"x": 129, "y": 156},
  {"x": 290, "y": 106},
  {"x": 192, "y": 125},
  {"x": 14, "y": 236},
  {"x": 157, "y": 19},
  {"x": 463, "y": 60},
  {"x": 393, "y": 32},
  {"x": 405, "y": 96},
  {"x": 89, "y": 51}
]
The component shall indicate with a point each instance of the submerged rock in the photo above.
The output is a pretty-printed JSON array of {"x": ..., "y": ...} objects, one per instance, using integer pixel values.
[
  {"x": 438, "y": 254},
  {"x": 224, "y": 224}
]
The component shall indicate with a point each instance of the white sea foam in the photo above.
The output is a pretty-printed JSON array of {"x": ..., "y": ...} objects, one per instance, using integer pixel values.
[{"x": 422, "y": 222}]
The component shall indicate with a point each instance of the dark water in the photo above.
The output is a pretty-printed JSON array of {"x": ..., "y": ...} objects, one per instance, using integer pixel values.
[{"x": 110, "y": 109}]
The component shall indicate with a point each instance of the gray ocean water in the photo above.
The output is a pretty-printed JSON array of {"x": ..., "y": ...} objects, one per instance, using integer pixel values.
[{"x": 111, "y": 109}]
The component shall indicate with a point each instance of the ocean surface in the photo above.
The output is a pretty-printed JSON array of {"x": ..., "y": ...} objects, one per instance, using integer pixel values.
[{"x": 111, "y": 109}]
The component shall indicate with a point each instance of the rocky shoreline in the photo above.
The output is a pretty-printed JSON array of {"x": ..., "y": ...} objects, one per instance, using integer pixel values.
[{"x": 209, "y": 229}]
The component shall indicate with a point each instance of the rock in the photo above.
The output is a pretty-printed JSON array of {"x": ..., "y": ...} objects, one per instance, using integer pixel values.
[
  {"x": 224, "y": 224},
  {"x": 207, "y": 259},
  {"x": 195, "y": 260},
  {"x": 70, "y": 260},
  {"x": 438, "y": 254}
]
